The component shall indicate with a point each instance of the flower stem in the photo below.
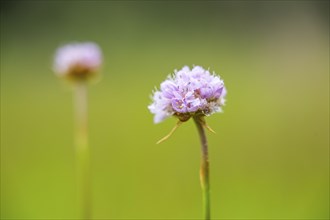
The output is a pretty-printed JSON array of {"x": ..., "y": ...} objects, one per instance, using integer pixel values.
[
  {"x": 82, "y": 151},
  {"x": 204, "y": 168}
]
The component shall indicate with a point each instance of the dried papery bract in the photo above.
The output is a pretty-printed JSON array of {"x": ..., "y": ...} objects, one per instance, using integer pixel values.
[
  {"x": 171, "y": 132},
  {"x": 78, "y": 63},
  {"x": 191, "y": 93}
]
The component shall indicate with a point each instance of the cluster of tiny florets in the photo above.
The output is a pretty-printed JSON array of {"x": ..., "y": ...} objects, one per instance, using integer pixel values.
[
  {"x": 188, "y": 93},
  {"x": 77, "y": 60}
]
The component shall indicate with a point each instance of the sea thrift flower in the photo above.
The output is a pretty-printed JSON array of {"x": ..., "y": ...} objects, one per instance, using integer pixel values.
[
  {"x": 188, "y": 93},
  {"x": 78, "y": 61},
  {"x": 191, "y": 94}
]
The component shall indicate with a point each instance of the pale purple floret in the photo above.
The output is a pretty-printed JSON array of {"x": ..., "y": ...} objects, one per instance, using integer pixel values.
[
  {"x": 85, "y": 56},
  {"x": 187, "y": 93}
]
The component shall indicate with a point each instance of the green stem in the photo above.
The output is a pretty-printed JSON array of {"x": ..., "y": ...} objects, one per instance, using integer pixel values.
[
  {"x": 204, "y": 168},
  {"x": 82, "y": 151}
]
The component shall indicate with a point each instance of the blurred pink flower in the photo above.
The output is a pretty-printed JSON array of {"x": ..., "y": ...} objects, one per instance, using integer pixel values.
[{"x": 78, "y": 60}]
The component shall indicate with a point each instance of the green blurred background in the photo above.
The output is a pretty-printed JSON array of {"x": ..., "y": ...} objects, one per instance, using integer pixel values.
[{"x": 269, "y": 158}]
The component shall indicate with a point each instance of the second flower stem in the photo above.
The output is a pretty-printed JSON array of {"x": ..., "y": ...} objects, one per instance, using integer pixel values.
[
  {"x": 82, "y": 150},
  {"x": 204, "y": 168}
]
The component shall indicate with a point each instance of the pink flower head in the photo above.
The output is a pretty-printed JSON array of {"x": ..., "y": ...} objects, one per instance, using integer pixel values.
[
  {"x": 78, "y": 60},
  {"x": 187, "y": 93}
]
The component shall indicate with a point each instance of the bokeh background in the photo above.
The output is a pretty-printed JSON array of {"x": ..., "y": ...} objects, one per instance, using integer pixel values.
[{"x": 269, "y": 158}]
